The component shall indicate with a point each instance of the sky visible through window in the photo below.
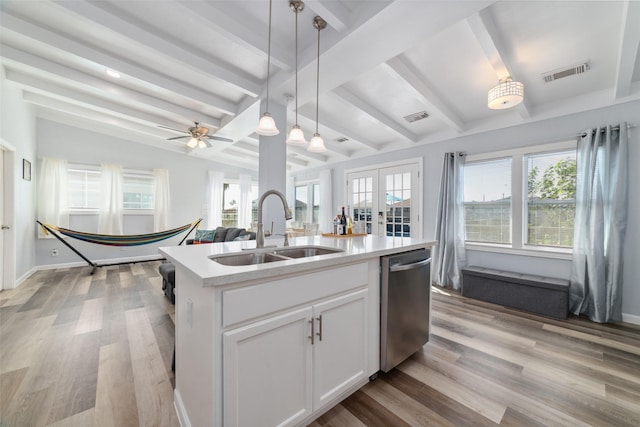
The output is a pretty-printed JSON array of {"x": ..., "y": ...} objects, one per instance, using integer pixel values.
[{"x": 487, "y": 181}]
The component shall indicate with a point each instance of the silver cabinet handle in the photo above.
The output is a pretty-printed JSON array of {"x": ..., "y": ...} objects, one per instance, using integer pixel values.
[
  {"x": 319, "y": 328},
  {"x": 404, "y": 267},
  {"x": 312, "y": 329}
]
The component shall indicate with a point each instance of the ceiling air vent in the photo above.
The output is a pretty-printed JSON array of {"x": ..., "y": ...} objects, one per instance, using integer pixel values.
[
  {"x": 565, "y": 72},
  {"x": 341, "y": 139},
  {"x": 416, "y": 116}
]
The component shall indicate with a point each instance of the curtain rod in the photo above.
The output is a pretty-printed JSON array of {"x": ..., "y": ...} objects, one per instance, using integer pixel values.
[{"x": 583, "y": 134}]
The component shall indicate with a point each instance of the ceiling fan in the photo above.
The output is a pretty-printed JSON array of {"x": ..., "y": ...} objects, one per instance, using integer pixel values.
[{"x": 198, "y": 136}]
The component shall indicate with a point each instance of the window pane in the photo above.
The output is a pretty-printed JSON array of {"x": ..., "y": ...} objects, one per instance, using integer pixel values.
[
  {"x": 487, "y": 201},
  {"x": 316, "y": 203},
  {"x": 83, "y": 188},
  {"x": 551, "y": 198},
  {"x": 302, "y": 200},
  {"x": 138, "y": 191},
  {"x": 230, "y": 198}
]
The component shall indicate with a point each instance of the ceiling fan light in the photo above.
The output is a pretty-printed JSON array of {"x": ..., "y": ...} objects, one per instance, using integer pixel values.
[
  {"x": 267, "y": 126},
  {"x": 316, "y": 145},
  {"x": 201, "y": 144},
  {"x": 296, "y": 137},
  {"x": 193, "y": 142},
  {"x": 506, "y": 94}
]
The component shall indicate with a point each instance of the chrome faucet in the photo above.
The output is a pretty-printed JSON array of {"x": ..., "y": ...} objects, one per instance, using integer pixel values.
[{"x": 287, "y": 214}]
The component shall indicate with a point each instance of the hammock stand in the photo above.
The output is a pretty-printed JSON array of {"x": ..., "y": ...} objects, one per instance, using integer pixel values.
[{"x": 115, "y": 240}]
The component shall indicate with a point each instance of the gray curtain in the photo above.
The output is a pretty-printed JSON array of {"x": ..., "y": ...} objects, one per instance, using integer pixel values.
[
  {"x": 600, "y": 223},
  {"x": 449, "y": 255}
]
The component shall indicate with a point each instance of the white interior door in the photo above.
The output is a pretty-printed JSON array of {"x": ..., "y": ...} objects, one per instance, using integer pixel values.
[
  {"x": 387, "y": 199},
  {"x": 7, "y": 216},
  {"x": 2, "y": 223}
]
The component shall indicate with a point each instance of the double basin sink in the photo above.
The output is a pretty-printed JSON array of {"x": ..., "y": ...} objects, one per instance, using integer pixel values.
[{"x": 266, "y": 255}]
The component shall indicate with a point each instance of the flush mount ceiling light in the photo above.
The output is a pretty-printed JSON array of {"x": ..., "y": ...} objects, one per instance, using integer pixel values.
[
  {"x": 267, "y": 126},
  {"x": 316, "y": 145},
  {"x": 506, "y": 94},
  {"x": 296, "y": 136}
]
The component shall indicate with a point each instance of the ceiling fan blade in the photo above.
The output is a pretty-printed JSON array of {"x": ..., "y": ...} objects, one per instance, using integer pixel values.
[
  {"x": 175, "y": 130},
  {"x": 217, "y": 138},
  {"x": 178, "y": 137}
]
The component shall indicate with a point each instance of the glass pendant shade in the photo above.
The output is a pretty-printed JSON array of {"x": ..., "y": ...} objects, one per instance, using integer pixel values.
[
  {"x": 267, "y": 126},
  {"x": 296, "y": 137},
  {"x": 506, "y": 94},
  {"x": 193, "y": 142},
  {"x": 316, "y": 145},
  {"x": 201, "y": 144}
]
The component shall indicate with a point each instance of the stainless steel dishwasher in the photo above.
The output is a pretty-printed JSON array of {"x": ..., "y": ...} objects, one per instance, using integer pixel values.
[{"x": 405, "y": 303}]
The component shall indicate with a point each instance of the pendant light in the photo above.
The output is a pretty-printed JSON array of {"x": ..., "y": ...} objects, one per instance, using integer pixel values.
[
  {"x": 296, "y": 136},
  {"x": 267, "y": 126},
  {"x": 316, "y": 145}
]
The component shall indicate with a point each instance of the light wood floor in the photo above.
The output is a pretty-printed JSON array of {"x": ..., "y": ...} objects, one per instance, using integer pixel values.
[{"x": 81, "y": 350}]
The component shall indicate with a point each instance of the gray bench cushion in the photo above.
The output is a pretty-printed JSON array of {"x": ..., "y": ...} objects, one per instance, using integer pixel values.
[{"x": 543, "y": 295}]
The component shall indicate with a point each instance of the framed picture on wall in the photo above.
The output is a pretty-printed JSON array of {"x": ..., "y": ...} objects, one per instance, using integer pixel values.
[{"x": 26, "y": 170}]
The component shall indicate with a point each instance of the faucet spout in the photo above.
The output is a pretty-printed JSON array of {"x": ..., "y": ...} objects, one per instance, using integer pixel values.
[{"x": 287, "y": 214}]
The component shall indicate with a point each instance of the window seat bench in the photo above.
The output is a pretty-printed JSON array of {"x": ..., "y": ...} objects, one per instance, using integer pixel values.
[{"x": 538, "y": 294}]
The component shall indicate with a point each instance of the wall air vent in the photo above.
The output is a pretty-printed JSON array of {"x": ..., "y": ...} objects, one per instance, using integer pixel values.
[
  {"x": 416, "y": 116},
  {"x": 341, "y": 139},
  {"x": 565, "y": 72}
]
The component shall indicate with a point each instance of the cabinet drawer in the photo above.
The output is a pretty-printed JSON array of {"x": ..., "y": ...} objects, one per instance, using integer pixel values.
[{"x": 242, "y": 304}]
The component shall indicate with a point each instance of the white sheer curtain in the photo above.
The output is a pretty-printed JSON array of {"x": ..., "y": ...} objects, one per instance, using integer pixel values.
[
  {"x": 161, "y": 199},
  {"x": 216, "y": 183},
  {"x": 244, "y": 205},
  {"x": 53, "y": 206},
  {"x": 325, "y": 213},
  {"x": 449, "y": 255},
  {"x": 111, "y": 203},
  {"x": 600, "y": 224}
]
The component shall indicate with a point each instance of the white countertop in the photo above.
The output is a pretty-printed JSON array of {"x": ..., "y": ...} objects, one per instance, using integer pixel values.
[{"x": 196, "y": 258}]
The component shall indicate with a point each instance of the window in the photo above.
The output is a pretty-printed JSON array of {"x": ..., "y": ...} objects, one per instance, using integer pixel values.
[
  {"x": 231, "y": 199},
  {"x": 83, "y": 186},
  {"x": 139, "y": 190},
  {"x": 307, "y": 195},
  {"x": 487, "y": 201},
  {"x": 522, "y": 198},
  {"x": 551, "y": 198}
]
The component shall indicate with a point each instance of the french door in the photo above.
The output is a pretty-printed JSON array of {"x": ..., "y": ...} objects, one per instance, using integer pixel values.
[{"x": 387, "y": 199}]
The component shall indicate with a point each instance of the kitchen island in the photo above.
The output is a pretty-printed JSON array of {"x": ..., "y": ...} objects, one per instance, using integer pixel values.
[{"x": 281, "y": 341}]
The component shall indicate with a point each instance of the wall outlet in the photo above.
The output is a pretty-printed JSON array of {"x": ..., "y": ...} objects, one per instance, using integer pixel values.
[{"x": 54, "y": 252}]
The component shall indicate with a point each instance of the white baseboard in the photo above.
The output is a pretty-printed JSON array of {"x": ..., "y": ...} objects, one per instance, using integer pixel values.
[
  {"x": 631, "y": 318},
  {"x": 25, "y": 276},
  {"x": 100, "y": 262}
]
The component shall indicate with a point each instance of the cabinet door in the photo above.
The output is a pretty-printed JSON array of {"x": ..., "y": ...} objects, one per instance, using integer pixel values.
[
  {"x": 267, "y": 371},
  {"x": 340, "y": 345}
]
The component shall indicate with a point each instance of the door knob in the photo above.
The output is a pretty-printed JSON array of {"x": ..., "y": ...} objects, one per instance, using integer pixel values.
[{"x": 5, "y": 227}]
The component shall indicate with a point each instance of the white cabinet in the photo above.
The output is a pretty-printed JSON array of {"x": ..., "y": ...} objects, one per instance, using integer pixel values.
[{"x": 275, "y": 373}]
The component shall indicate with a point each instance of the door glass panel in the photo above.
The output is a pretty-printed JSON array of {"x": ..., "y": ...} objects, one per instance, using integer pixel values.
[
  {"x": 362, "y": 201},
  {"x": 398, "y": 204}
]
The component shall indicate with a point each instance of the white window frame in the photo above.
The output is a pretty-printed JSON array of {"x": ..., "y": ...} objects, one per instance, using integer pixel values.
[
  {"x": 309, "y": 184},
  {"x": 236, "y": 181},
  {"x": 519, "y": 200}
]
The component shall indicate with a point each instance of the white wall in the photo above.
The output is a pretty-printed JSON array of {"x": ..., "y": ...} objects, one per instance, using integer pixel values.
[
  {"x": 18, "y": 128},
  {"x": 546, "y": 131},
  {"x": 188, "y": 184}
]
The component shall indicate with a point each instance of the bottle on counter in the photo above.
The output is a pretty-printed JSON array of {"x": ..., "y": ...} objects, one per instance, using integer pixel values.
[
  {"x": 343, "y": 222},
  {"x": 349, "y": 221}
]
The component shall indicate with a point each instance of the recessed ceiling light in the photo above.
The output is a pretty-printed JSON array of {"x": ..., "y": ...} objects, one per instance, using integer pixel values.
[{"x": 112, "y": 73}]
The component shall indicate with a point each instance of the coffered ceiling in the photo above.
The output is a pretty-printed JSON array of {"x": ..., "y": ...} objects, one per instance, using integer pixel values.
[{"x": 206, "y": 61}]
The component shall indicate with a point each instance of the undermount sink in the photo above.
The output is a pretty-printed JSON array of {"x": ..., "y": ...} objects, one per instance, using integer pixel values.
[
  {"x": 306, "y": 251},
  {"x": 247, "y": 258},
  {"x": 259, "y": 256}
]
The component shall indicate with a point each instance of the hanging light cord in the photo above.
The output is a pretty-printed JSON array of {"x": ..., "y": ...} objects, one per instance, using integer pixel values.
[
  {"x": 296, "y": 67},
  {"x": 269, "y": 56},
  {"x": 318, "y": 81}
]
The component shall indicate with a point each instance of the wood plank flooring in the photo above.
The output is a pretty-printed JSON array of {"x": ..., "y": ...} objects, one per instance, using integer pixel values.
[{"x": 81, "y": 350}]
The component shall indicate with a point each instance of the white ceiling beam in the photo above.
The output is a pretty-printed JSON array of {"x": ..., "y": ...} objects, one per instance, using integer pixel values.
[
  {"x": 53, "y": 39},
  {"x": 339, "y": 129},
  {"x": 487, "y": 34},
  {"x": 374, "y": 113},
  {"x": 103, "y": 14},
  {"x": 90, "y": 102},
  {"x": 435, "y": 105},
  {"x": 627, "y": 56},
  {"x": 251, "y": 36},
  {"x": 308, "y": 154},
  {"x": 100, "y": 86},
  {"x": 335, "y": 13}
]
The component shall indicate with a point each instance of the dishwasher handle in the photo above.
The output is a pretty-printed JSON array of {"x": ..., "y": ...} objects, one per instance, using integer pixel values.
[{"x": 405, "y": 267}]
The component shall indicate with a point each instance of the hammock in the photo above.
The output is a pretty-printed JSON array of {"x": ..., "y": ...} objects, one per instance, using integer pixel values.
[{"x": 115, "y": 240}]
